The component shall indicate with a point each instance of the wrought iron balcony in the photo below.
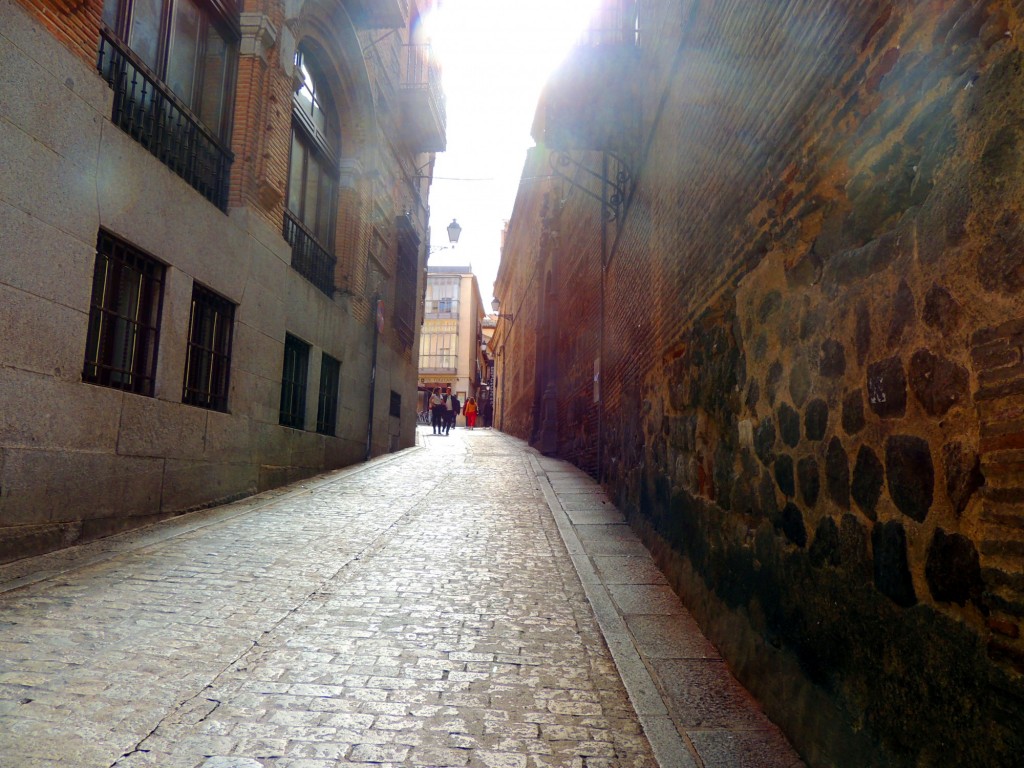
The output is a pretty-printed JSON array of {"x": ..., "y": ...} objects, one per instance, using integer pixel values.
[
  {"x": 424, "y": 119},
  {"x": 309, "y": 258},
  {"x": 378, "y": 14},
  {"x": 146, "y": 110},
  {"x": 592, "y": 101}
]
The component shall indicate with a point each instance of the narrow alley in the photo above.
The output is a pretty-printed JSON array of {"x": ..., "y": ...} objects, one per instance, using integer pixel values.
[{"x": 466, "y": 602}]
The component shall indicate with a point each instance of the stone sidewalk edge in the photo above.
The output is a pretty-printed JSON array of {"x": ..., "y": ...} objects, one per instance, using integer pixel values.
[
  {"x": 32, "y": 570},
  {"x": 669, "y": 748}
]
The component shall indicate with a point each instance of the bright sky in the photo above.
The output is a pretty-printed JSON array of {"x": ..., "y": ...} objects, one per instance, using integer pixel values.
[{"x": 496, "y": 56}]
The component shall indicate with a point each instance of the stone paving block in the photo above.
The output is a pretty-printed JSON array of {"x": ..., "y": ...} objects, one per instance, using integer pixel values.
[
  {"x": 670, "y": 637},
  {"x": 703, "y": 694},
  {"x": 743, "y": 749},
  {"x": 375, "y": 616},
  {"x": 645, "y": 598},
  {"x": 590, "y": 511},
  {"x": 615, "y": 569}
]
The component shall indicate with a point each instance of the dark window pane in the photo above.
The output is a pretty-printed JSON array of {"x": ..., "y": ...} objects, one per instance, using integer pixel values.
[
  {"x": 297, "y": 163},
  {"x": 327, "y": 406},
  {"x": 215, "y": 71},
  {"x": 110, "y": 11},
  {"x": 145, "y": 30},
  {"x": 312, "y": 187},
  {"x": 208, "y": 361},
  {"x": 183, "y": 51},
  {"x": 293, "y": 382},
  {"x": 325, "y": 216}
]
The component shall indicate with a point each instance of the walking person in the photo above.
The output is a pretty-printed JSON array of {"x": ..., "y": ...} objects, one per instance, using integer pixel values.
[
  {"x": 450, "y": 410},
  {"x": 456, "y": 409},
  {"x": 438, "y": 412},
  {"x": 471, "y": 413}
]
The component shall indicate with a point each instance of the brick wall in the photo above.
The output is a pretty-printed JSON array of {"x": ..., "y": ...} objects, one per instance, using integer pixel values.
[
  {"x": 811, "y": 360},
  {"x": 74, "y": 22}
]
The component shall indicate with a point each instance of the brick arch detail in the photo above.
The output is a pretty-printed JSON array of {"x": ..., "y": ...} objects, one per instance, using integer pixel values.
[{"x": 326, "y": 29}]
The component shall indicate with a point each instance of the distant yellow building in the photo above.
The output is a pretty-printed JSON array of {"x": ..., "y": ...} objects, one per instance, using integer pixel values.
[{"x": 451, "y": 338}]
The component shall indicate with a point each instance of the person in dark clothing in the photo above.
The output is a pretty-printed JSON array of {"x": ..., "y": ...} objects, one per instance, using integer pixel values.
[
  {"x": 438, "y": 411},
  {"x": 449, "y": 411},
  {"x": 456, "y": 410}
]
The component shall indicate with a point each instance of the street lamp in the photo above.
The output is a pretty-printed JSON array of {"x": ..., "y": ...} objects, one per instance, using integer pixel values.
[
  {"x": 454, "y": 230},
  {"x": 496, "y": 305}
]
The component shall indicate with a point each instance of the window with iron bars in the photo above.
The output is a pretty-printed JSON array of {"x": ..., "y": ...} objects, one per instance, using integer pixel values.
[
  {"x": 208, "y": 361},
  {"x": 293, "y": 382},
  {"x": 171, "y": 65},
  {"x": 124, "y": 317},
  {"x": 327, "y": 406}
]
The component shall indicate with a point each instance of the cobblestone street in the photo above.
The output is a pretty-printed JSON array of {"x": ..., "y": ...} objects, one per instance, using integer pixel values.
[{"x": 463, "y": 603}]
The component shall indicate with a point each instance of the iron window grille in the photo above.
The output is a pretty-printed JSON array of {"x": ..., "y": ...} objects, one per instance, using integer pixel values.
[
  {"x": 327, "y": 407},
  {"x": 171, "y": 65},
  {"x": 208, "y": 359},
  {"x": 293, "y": 382},
  {"x": 309, "y": 258},
  {"x": 124, "y": 317}
]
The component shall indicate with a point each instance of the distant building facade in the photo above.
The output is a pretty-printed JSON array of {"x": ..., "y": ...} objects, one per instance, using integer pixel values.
[
  {"x": 451, "y": 341},
  {"x": 213, "y": 217},
  {"x": 774, "y": 300}
]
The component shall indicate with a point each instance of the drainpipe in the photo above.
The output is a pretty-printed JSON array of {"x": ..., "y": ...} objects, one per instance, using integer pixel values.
[
  {"x": 377, "y": 322},
  {"x": 501, "y": 354},
  {"x": 602, "y": 363}
]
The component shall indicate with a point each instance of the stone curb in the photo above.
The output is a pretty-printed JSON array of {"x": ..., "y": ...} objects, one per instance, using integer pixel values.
[{"x": 669, "y": 748}]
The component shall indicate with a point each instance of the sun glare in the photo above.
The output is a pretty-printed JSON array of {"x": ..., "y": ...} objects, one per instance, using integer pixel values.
[{"x": 496, "y": 57}]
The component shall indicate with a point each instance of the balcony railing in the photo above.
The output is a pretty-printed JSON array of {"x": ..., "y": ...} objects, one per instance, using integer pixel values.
[
  {"x": 441, "y": 308},
  {"x": 309, "y": 258},
  {"x": 423, "y": 100},
  {"x": 439, "y": 363},
  {"x": 148, "y": 112}
]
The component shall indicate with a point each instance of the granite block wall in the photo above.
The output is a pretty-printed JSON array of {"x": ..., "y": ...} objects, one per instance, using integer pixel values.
[{"x": 79, "y": 461}]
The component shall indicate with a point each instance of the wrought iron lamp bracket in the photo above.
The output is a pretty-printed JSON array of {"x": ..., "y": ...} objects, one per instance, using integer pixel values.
[{"x": 616, "y": 188}]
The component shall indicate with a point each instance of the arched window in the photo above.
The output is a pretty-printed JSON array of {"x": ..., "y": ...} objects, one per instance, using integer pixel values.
[{"x": 313, "y": 171}]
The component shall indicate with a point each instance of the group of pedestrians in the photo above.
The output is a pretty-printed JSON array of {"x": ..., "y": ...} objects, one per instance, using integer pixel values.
[{"x": 445, "y": 406}]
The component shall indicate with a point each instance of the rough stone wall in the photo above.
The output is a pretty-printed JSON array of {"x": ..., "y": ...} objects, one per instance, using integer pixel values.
[{"x": 815, "y": 415}]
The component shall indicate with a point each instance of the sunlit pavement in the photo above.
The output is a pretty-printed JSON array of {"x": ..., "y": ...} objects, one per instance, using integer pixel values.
[{"x": 463, "y": 603}]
